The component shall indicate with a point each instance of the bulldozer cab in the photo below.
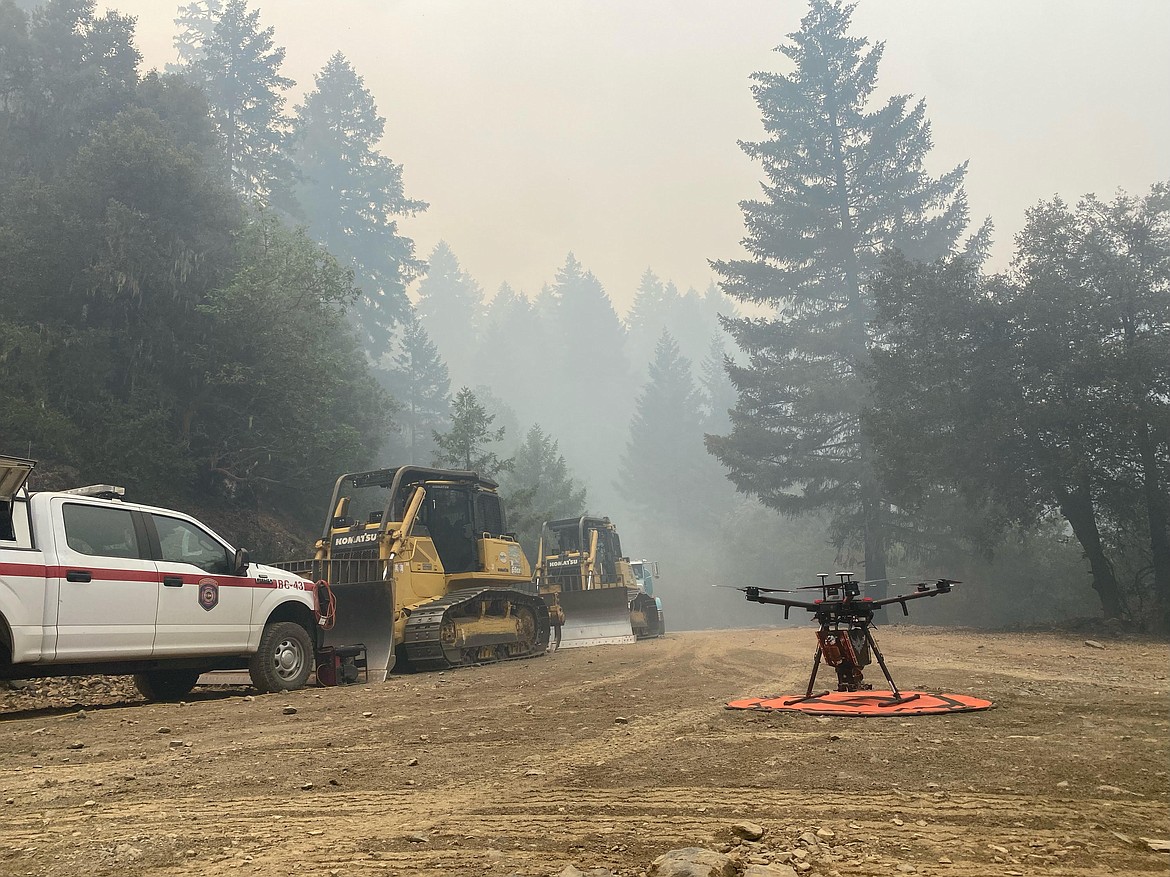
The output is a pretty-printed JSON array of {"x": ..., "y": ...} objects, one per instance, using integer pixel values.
[
  {"x": 456, "y": 516},
  {"x": 458, "y": 510},
  {"x": 592, "y": 541}
]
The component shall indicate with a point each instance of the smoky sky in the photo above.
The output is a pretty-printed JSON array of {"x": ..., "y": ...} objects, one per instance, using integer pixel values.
[{"x": 609, "y": 129}]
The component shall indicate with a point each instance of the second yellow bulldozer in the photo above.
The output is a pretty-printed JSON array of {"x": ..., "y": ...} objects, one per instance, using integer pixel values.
[
  {"x": 423, "y": 572},
  {"x": 595, "y": 595}
]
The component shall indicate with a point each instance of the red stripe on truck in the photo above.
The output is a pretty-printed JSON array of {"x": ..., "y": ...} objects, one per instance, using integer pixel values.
[{"x": 40, "y": 571}]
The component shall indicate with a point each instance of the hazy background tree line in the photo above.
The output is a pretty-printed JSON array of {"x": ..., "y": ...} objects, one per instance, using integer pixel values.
[{"x": 204, "y": 297}]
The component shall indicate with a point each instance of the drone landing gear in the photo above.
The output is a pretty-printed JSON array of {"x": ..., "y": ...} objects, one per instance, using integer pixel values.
[{"x": 848, "y": 651}]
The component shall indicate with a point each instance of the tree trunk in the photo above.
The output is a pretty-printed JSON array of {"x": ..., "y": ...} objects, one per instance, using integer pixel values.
[
  {"x": 1158, "y": 518},
  {"x": 1077, "y": 507},
  {"x": 875, "y": 547}
]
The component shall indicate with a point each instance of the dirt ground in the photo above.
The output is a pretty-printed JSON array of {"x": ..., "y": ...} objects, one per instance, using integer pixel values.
[{"x": 606, "y": 758}]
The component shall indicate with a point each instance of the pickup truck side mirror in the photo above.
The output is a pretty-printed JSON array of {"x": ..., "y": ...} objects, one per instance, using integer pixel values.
[{"x": 240, "y": 564}]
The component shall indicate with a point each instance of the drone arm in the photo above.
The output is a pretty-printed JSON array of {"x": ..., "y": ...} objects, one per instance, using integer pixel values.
[
  {"x": 754, "y": 595},
  {"x": 942, "y": 587}
]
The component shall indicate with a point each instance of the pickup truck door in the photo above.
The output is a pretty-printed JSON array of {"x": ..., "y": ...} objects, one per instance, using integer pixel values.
[
  {"x": 202, "y": 608},
  {"x": 107, "y": 591}
]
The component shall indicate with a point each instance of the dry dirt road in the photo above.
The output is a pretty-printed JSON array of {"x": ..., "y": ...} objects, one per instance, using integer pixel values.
[{"x": 605, "y": 758}]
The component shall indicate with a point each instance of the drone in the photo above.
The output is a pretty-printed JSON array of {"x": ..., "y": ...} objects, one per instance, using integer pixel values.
[{"x": 844, "y": 639}]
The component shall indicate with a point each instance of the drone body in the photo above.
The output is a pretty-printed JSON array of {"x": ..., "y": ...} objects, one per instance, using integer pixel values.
[{"x": 844, "y": 639}]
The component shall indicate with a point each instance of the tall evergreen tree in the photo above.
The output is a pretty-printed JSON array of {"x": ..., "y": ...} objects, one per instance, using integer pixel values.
[
  {"x": 719, "y": 395},
  {"x": 665, "y": 448},
  {"x": 450, "y": 304},
  {"x": 63, "y": 71},
  {"x": 417, "y": 378},
  {"x": 690, "y": 318},
  {"x": 194, "y": 27},
  {"x": 349, "y": 193},
  {"x": 844, "y": 181},
  {"x": 513, "y": 370},
  {"x": 467, "y": 444},
  {"x": 646, "y": 319},
  {"x": 587, "y": 403},
  {"x": 247, "y": 417},
  {"x": 539, "y": 488},
  {"x": 238, "y": 68}
]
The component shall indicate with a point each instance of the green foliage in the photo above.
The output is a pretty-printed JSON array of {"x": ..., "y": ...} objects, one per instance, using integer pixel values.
[
  {"x": 665, "y": 472},
  {"x": 194, "y": 28},
  {"x": 647, "y": 317},
  {"x": 690, "y": 319},
  {"x": 719, "y": 395},
  {"x": 450, "y": 303},
  {"x": 285, "y": 399},
  {"x": 539, "y": 488},
  {"x": 845, "y": 180},
  {"x": 238, "y": 67},
  {"x": 417, "y": 378},
  {"x": 1045, "y": 388},
  {"x": 586, "y": 401},
  {"x": 154, "y": 333},
  {"x": 349, "y": 193},
  {"x": 466, "y": 444},
  {"x": 62, "y": 71},
  {"x": 511, "y": 356}
]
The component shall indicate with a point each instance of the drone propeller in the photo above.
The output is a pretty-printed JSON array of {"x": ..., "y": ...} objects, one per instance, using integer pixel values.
[{"x": 754, "y": 588}]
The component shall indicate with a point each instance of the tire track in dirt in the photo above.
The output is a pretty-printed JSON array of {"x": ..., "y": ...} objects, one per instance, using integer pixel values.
[
  {"x": 523, "y": 768},
  {"x": 368, "y": 830}
]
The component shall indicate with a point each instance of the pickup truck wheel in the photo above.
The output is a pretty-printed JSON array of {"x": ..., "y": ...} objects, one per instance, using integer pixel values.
[
  {"x": 284, "y": 659},
  {"x": 165, "y": 684}
]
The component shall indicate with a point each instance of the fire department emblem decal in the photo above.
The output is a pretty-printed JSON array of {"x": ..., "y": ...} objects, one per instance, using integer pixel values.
[{"x": 208, "y": 594}]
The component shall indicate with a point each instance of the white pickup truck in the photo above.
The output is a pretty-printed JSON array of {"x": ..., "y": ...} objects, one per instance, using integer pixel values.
[{"x": 90, "y": 584}]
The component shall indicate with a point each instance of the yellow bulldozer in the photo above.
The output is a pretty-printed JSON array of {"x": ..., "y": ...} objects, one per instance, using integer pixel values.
[
  {"x": 595, "y": 595},
  {"x": 423, "y": 574}
]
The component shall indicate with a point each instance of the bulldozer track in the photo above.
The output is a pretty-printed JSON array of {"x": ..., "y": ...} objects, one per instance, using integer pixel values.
[
  {"x": 656, "y": 622},
  {"x": 423, "y": 642}
]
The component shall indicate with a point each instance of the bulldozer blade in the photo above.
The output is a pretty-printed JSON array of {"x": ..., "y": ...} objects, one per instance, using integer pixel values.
[
  {"x": 595, "y": 618},
  {"x": 365, "y": 616}
]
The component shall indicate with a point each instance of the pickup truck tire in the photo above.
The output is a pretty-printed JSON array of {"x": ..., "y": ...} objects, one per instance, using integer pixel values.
[
  {"x": 284, "y": 660},
  {"x": 164, "y": 685}
]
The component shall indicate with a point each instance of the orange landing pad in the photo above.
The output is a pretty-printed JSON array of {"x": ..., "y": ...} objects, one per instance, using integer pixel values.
[{"x": 865, "y": 703}]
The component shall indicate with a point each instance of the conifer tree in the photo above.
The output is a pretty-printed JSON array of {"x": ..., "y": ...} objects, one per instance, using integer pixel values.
[
  {"x": 665, "y": 447},
  {"x": 844, "y": 181},
  {"x": 194, "y": 25},
  {"x": 450, "y": 303},
  {"x": 509, "y": 358},
  {"x": 238, "y": 68},
  {"x": 587, "y": 402},
  {"x": 418, "y": 380},
  {"x": 349, "y": 193},
  {"x": 539, "y": 488},
  {"x": 63, "y": 71},
  {"x": 646, "y": 319},
  {"x": 719, "y": 395},
  {"x": 466, "y": 445}
]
